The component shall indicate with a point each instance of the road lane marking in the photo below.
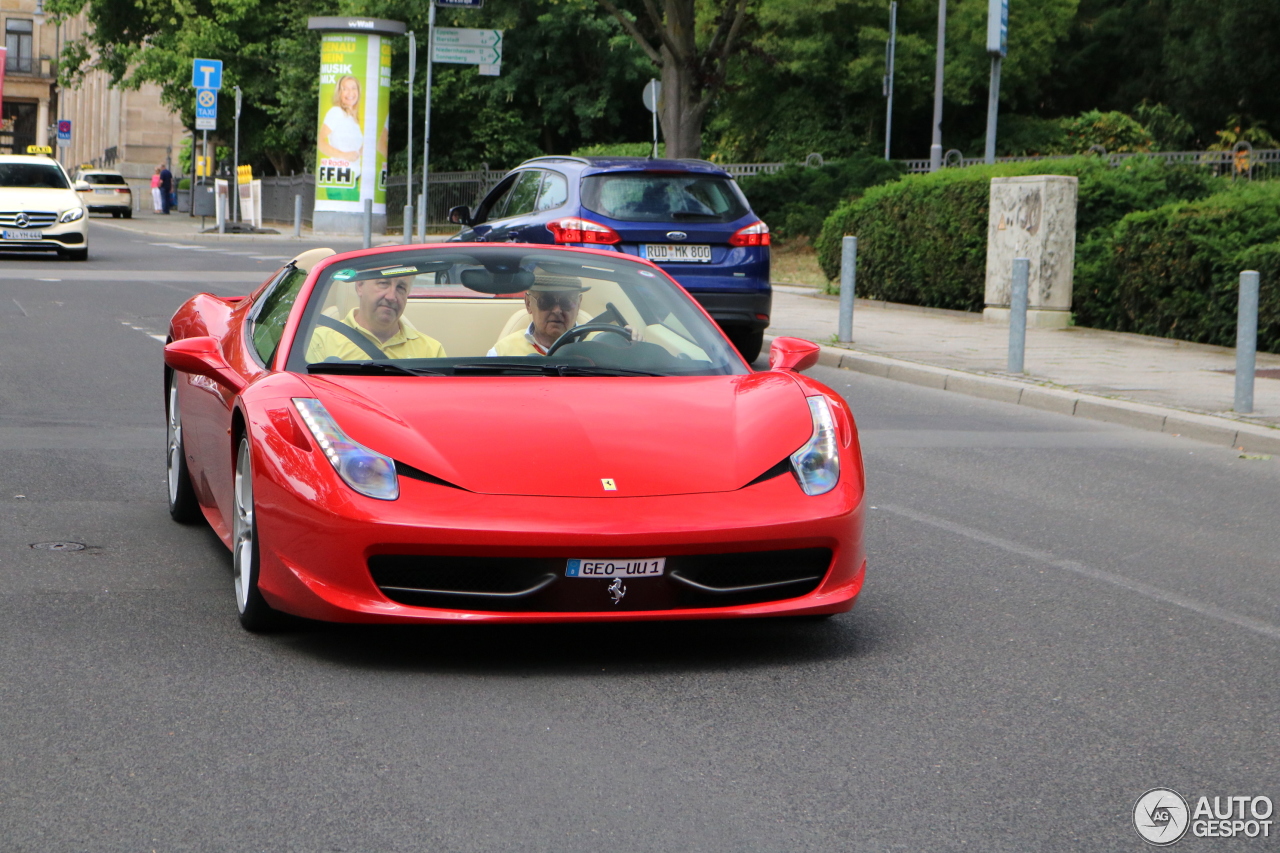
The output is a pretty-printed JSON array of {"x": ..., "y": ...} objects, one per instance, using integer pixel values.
[
  {"x": 20, "y": 308},
  {"x": 148, "y": 332},
  {"x": 1155, "y": 593}
]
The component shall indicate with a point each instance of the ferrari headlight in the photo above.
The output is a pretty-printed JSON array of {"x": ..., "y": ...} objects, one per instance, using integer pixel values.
[
  {"x": 367, "y": 471},
  {"x": 817, "y": 464},
  {"x": 72, "y": 215}
]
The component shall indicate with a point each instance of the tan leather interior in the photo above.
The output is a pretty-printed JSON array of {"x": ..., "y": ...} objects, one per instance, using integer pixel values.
[{"x": 311, "y": 257}]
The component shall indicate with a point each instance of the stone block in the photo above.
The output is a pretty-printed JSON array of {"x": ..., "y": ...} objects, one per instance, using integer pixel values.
[
  {"x": 1032, "y": 217},
  {"x": 918, "y": 375},
  {"x": 1049, "y": 400},
  {"x": 1208, "y": 430}
]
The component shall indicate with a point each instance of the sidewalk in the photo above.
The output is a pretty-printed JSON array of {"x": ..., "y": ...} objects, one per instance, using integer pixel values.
[
  {"x": 1154, "y": 383},
  {"x": 180, "y": 226}
]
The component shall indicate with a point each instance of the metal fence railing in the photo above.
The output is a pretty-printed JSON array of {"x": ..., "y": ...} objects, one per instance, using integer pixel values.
[{"x": 1268, "y": 157}]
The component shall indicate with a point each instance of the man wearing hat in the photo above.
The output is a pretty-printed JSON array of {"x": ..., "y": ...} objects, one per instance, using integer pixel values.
[{"x": 552, "y": 301}]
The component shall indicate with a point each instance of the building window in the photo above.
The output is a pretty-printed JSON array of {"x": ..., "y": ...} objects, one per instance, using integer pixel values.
[{"x": 17, "y": 38}]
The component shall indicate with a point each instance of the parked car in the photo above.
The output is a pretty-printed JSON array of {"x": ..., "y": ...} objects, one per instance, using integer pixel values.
[
  {"x": 689, "y": 216},
  {"x": 105, "y": 191},
  {"x": 635, "y": 469},
  {"x": 39, "y": 210}
]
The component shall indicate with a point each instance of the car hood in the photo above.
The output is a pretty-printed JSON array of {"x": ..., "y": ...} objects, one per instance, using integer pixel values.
[
  {"x": 30, "y": 199},
  {"x": 564, "y": 437}
]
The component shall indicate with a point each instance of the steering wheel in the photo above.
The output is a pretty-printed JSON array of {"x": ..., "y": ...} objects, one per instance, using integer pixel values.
[{"x": 582, "y": 331}]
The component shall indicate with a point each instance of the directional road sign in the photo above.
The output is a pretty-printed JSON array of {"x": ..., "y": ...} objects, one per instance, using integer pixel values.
[
  {"x": 456, "y": 4},
  {"x": 206, "y": 73},
  {"x": 206, "y": 109},
  {"x": 467, "y": 47}
]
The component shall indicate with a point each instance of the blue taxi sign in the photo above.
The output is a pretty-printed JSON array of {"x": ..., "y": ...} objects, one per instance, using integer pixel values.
[{"x": 206, "y": 73}]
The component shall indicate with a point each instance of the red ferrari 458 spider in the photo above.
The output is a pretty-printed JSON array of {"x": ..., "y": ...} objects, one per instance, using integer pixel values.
[{"x": 513, "y": 433}]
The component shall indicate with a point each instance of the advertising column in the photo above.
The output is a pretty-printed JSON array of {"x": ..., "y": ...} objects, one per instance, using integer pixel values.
[{"x": 351, "y": 136}]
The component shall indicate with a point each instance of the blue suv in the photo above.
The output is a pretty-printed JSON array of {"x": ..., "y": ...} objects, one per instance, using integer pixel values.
[{"x": 688, "y": 216}]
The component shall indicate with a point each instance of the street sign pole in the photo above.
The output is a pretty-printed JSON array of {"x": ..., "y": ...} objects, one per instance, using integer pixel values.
[
  {"x": 890, "y": 55},
  {"x": 935, "y": 149},
  {"x": 652, "y": 94},
  {"x": 997, "y": 46},
  {"x": 426, "y": 122},
  {"x": 408, "y": 172},
  {"x": 235, "y": 163}
]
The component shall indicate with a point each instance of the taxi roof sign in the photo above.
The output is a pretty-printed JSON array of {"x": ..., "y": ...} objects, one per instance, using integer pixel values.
[{"x": 39, "y": 149}]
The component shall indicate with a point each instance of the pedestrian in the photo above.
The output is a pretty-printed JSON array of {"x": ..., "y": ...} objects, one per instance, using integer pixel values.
[
  {"x": 166, "y": 187},
  {"x": 156, "y": 204}
]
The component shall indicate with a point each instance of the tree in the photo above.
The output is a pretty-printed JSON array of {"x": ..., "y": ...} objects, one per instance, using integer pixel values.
[{"x": 692, "y": 73}]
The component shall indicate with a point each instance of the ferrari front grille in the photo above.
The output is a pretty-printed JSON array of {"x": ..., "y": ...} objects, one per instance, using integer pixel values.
[
  {"x": 40, "y": 219},
  {"x": 539, "y": 584}
]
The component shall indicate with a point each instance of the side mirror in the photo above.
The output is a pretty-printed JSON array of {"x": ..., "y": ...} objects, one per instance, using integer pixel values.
[
  {"x": 793, "y": 354},
  {"x": 460, "y": 215},
  {"x": 202, "y": 357}
]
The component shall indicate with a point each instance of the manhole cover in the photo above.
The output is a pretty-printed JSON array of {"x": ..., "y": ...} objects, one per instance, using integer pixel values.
[{"x": 58, "y": 546}]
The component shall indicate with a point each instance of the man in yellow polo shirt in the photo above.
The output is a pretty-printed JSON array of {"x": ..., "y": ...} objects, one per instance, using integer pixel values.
[{"x": 377, "y": 319}]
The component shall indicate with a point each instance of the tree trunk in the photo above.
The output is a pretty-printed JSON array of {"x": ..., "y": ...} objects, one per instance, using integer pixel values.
[{"x": 690, "y": 80}]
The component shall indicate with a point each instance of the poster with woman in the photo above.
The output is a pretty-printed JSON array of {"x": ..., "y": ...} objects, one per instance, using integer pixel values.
[{"x": 351, "y": 148}]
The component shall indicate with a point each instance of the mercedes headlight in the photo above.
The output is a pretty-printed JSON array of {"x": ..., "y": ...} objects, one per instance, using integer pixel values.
[
  {"x": 817, "y": 464},
  {"x": 367, "y": 471},
  {"x": 72, "y": 215}
]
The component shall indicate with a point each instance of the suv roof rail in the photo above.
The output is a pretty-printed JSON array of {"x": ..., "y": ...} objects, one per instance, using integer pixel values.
[{"x": 558, "y": 158}]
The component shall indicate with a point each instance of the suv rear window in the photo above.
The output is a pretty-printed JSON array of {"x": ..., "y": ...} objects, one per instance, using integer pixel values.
[
  {"x": 646, "y": 197},
  {"x": 90, "y": 178}
]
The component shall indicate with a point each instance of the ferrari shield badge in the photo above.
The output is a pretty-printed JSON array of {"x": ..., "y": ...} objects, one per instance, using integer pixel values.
[
  {"x": 609, "y": 485},
  {"x": 617, "y": 590}
]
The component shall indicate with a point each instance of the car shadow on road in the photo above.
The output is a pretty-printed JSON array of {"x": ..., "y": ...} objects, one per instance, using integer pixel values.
[{"x": 618, "y": 648}]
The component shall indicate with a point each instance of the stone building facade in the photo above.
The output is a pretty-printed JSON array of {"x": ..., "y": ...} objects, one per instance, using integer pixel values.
[{"x": 110, "y": 127}]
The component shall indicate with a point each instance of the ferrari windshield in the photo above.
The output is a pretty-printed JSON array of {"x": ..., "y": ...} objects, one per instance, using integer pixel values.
[{"x": 503, "y": 311}]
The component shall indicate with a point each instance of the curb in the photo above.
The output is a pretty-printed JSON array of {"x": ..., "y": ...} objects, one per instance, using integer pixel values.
[{"x": 1207, "y": 428}]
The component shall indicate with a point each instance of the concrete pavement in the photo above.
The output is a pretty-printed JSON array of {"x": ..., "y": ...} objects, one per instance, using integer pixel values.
[{"x": 1151, "y": 383}]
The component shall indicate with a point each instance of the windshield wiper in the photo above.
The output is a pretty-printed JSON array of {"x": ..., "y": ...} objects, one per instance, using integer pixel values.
[
  {"x": 370, "y": 368},
  {"x": 580, "y": 370},
  {"x": 491, "y": 366},
  {"x": 497, "y": 367}
]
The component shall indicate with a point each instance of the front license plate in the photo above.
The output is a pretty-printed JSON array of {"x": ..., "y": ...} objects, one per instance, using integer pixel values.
[
  {"x": 616, "y": 568},
  {"x": 24, "y": 235},
  {"x": 668, "y": 253}
]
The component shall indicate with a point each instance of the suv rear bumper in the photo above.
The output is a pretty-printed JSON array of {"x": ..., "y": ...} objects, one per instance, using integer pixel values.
[{"x": 736, "y": 308}]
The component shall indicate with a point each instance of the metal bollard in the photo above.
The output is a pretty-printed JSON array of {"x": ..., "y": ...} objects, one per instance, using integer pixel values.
[
  {"x": 1018, "y": 314},
  {"x": 848, "y": 282},
  {"x": 408, "y": 224},
  {"x": 1246, "y": 340},
  {"x": 368, "y": 223},
  {"x": 297, "y": 216},
  {"x": 220, "y": 208},
  {"x": 422, "y": 217}
]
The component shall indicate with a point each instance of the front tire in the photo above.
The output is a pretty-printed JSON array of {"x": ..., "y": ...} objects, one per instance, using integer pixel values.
[
  {"x": 183, "y": 507},
  {"x": 77, "y": 254},
  {"x": 255, "y": 614}
]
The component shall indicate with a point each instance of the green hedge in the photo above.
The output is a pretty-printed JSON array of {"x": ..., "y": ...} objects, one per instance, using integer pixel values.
[
  {"x": 923, "y": 240},
  {"x": 795, "y": 201},
  {"x": 1174, "y": 271}
]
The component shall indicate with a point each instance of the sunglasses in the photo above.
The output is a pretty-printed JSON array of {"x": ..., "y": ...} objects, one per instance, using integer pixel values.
[{"x": 566, "y": 301}]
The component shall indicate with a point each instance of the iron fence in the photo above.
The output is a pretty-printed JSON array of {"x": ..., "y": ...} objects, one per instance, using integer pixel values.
[{"x": 1219, "y": 160}]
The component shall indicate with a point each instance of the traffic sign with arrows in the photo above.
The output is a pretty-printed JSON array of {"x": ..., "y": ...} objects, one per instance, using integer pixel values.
[{"x": 467, "y": 46}]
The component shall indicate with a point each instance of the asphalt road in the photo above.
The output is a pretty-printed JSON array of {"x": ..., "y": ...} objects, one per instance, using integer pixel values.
[{"x": 1059, "y": 615}]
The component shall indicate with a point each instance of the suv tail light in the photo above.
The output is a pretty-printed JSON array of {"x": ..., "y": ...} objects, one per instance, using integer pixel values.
[
  {"x": 571, "y": 229},
  {"x": 752, "y": 235},
  {"x": 122, "y": 190}
]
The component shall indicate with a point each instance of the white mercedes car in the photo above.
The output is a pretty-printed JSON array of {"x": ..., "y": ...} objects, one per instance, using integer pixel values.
[{"x": 39, "y": 210}]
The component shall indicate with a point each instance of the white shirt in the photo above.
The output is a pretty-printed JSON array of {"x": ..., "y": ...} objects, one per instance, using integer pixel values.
[{"x": 344, "y": 131}]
